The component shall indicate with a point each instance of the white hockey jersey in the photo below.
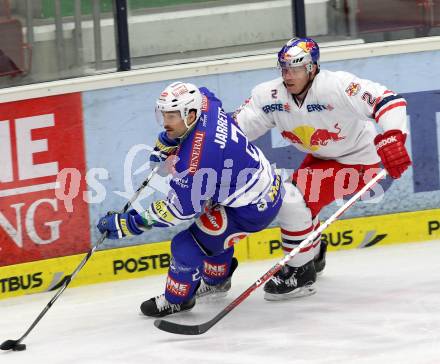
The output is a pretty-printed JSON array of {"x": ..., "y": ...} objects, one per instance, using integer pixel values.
[{"x": 336, "y": 120}]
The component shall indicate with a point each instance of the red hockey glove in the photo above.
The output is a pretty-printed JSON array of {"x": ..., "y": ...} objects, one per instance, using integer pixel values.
[{"x": 391, "y": 149}]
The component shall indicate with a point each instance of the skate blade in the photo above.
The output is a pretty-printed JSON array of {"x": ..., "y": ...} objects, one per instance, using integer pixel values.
[
  {"x": 208, "y": 297},
  {"x": 297, "y": 293}
]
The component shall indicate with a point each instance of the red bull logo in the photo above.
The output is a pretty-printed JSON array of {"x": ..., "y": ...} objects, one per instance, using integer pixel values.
[
  {"x": 312, "y": 139},
  {"x": 286, "y": 56},
  {"x": 353, "y": 89},
  {"x": 306, "y": 46}
]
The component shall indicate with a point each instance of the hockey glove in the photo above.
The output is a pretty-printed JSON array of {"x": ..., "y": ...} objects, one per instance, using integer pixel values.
[
  {"x": 118, "y": 226},
  {"x": 391, "y": 149},
  {"x": 163, "y": 149}
]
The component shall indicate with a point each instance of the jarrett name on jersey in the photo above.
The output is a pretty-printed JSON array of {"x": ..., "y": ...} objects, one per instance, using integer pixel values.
[
  {"x": 336, "y": 120},
  {"x": 243, "y": 176}
]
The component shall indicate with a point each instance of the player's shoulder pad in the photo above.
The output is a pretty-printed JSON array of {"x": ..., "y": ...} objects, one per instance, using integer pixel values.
[
  {"x": 336, "y": 81},
  {"x": 210, "y": 95},
  {"x": 265, "y": 89},
  {"x": 335, "y": 77}
]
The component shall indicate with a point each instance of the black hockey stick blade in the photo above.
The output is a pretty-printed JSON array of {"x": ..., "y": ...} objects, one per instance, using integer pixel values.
[
  {"x": 12, "y": 345},
  {"x": 174, "y": 328},
  {"x": 182, "y": 329},
  {"x": 8, "y": 344}
]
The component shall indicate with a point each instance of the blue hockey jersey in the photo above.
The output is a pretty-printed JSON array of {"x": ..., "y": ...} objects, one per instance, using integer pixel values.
[{"x": 216, "y": 165}]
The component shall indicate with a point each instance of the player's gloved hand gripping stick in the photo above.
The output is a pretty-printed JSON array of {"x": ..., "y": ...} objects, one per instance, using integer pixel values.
[
  {"x": 182, "y": 329},
  {"x": 391, "y": 149},
  {"x": 163, "y": 149},
  {"x": 16, "y": 345}
]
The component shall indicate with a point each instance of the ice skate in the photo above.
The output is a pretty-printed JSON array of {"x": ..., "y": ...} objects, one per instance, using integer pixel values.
[
  {"x": 291, "y": 282},
  {"x": 160, "y": 307},
  {"x": 207, "y": 291},
  {"x": 319, "y": 260}
]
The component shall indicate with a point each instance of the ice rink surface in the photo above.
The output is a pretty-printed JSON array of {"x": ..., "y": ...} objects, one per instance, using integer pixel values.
[{"x": 376, "y": 305}]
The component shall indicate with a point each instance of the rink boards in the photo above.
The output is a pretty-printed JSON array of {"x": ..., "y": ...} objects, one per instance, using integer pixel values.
[{"x": 150, "y": 259}]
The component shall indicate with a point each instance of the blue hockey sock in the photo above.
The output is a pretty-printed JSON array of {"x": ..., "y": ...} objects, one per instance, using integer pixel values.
[
  {"x": 181, "y": 283},
  {"x": 216, "y": 269}
]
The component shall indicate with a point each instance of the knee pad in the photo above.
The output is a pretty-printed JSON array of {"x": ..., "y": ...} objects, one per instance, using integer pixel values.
[
  {"x": 297, "y": 223},
  {"x": 185, "y": 250},
  {"x": 294, "y": 214}
]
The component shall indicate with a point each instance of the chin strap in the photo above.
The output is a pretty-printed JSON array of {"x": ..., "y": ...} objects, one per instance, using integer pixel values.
[
  {"x": 188, "y": 130},
  {"x": 185, "y": 121}
]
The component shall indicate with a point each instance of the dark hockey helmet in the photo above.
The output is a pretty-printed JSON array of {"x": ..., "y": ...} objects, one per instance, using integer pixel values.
[{"x": 299, "y": 52}]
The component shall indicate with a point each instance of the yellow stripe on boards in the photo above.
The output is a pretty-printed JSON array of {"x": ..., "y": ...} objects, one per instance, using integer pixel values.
[{"x": 152, "y": 259}]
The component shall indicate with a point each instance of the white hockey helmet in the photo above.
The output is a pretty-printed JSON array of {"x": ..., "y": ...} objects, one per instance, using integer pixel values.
[{"x": 181, "y": 97}]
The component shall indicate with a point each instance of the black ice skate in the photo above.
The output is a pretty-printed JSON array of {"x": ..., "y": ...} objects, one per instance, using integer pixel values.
[
  {"x": 291, "y": 282},
  {"x": 219, "y": 290},
  {"x": 319, "y": 260},
  {"x": 160, "y": 307}
]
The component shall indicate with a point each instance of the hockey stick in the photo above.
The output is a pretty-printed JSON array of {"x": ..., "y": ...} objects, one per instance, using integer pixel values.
[
  {"x": 16, "y": 345},
  {"x": 182, "y": 329}
]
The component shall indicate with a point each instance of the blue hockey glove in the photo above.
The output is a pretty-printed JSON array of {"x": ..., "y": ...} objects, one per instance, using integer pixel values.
[
  {"x": 163, "y": 149},
  {"x": 118, "y": 226}
]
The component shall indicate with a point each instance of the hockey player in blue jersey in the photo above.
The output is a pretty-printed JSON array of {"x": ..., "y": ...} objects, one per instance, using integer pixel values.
[{"x": 219, "y": 180}]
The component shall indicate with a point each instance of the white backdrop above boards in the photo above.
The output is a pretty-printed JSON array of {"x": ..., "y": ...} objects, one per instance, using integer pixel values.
[{"x": 103, "y": 127}]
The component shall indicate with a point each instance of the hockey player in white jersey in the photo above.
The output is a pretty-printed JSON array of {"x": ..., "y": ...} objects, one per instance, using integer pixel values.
[{"x": 332, "y": 116}]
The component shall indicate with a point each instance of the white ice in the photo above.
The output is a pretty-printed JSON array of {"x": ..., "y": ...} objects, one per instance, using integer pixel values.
[{"x": 375, "y": 305}]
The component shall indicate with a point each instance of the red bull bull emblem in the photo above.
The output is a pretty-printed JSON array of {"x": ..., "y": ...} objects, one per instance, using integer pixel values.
[
  {"x": 312, "y": 139},
  {"x": 306, "y": 46},
  {"x": 286, "y": 57},
  {"x": 353, "y": 89}
]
